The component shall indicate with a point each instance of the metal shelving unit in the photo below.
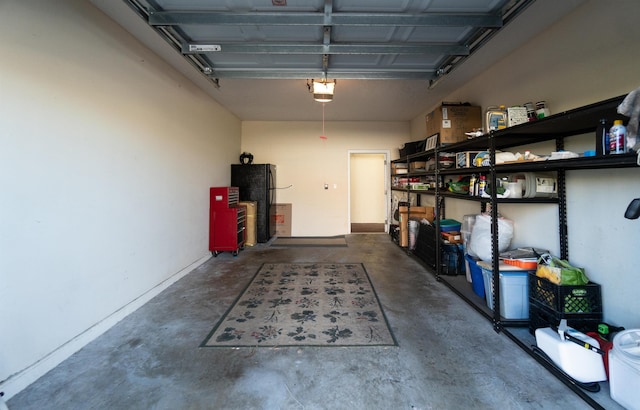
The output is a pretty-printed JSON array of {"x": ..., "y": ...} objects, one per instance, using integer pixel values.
[{"x": 556, "y": 128}]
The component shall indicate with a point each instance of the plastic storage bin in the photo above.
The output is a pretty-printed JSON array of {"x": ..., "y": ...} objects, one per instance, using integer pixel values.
[
  {"x": 524, "y": 263},
  {"x": 624, "y": 369},
  {"x": 467, "y": 223},
  {"x": 449, "y": 225},
  {"x": 514, "y": 290},
  {"x": 477, "y": 281}
]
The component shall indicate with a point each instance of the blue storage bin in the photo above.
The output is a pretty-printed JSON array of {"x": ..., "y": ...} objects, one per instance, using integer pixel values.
[
  {"x": 477, "y": 280},
  {"x": 514, "y": 290}
]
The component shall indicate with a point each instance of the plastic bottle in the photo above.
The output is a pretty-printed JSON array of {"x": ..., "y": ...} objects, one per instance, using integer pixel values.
[
  {"x": 495, "y": 118},
  {"x": 472, "y": 185},
  {"x": 542, "y": 110},
  {"x": 617, "y": 138},
  {"x": 482, "y": 185},
  {"x": 602, "y": 138},
  {"x": 502, "y": 122},
  {"x": 531, "y": 111}
]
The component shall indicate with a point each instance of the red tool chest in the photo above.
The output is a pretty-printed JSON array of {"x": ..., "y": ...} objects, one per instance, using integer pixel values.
[{"x": 227, "y": 221}]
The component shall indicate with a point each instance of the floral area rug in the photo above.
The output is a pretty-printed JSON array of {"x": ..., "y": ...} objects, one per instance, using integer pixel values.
[{"x": 314, "y": 304}]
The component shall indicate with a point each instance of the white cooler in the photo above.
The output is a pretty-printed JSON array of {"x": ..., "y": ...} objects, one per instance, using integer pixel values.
[{"x": 624, "y": 369}]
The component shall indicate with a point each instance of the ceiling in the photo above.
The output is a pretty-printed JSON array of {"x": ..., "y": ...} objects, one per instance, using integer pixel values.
[{"x": 392, "y": 60}]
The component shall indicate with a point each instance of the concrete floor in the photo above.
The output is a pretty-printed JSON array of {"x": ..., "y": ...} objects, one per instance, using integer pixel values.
[{"x": 449, "y": 356}]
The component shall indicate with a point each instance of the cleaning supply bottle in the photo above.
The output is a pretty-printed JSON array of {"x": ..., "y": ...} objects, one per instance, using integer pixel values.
[
  {"x": 472, "y": 185},
  {"x": 482, "y": 185},
  {"x": 502, "y": 122},
  {"x": 602, "y": 138},
  {"x": 495, "y": 118},
  {"x": 617, "y": 138}
]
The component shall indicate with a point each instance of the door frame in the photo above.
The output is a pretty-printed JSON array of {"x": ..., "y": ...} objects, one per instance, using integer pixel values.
[{"x": 387, "y": 183}]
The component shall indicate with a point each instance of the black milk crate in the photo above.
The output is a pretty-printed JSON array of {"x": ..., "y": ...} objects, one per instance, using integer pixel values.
[
  {"x": 426, "y": 245},
  {"x": 542, "y": 316},
  {"x": 451, "y": 258},
  {"x": 566, "y": 299}
]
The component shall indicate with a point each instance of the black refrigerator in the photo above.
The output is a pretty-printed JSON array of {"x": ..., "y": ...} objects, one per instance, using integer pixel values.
[{"x": 257, "y": 182}]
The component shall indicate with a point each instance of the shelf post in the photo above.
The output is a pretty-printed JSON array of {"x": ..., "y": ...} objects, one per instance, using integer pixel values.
[
  {"x": 495, "y": 252},
  {"x": 438, "y": 208},
  {"x": 563, "y": 229}
]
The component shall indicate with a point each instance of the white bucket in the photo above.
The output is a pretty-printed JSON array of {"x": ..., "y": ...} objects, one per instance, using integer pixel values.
[{"x": 624, "y": 369}]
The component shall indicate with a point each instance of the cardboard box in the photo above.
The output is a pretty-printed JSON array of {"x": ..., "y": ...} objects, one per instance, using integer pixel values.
[
  {"x": 465, "y": 159},
  {"x": 416, "y": 213},
  {"x": 418, "y": 166},
  {"x": 251, "y": 222},
  {"x": 420, "y": 186},
  {"x": 516, "y": 115},
  {"x": 282, "y": 219},
  {"x": 451, "y": 121},
  {"x": 399, "y": 168},
  {"x": 452, "y": 237},
  {"x": 419, "y": 212}
]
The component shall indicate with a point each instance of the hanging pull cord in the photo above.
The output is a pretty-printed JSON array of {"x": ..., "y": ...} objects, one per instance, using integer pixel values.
[{"x": 323, "y": 137}]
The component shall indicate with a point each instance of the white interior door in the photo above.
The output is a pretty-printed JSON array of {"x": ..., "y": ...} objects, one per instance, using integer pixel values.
[{"x": 368, "y": 190}]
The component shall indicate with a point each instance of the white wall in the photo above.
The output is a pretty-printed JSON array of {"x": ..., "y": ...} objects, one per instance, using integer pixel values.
[
  {"x": 307, "y": 162},
  {"x": 586, "y": 57},
  {"x": 106, "y": 158}
]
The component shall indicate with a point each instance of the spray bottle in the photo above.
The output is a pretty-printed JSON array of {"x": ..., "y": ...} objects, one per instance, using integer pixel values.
[{"x": 482, "y": 185}]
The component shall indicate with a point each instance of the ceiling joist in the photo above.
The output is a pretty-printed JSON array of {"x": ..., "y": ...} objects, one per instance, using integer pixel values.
[
  {"x": 175, "y": 18},
  {"x": 281, "y": 74},
  {"x": 266, "y": 48}
]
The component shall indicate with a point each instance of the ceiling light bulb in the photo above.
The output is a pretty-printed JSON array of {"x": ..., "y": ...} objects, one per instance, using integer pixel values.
[{"x": 323, "y": 92}]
